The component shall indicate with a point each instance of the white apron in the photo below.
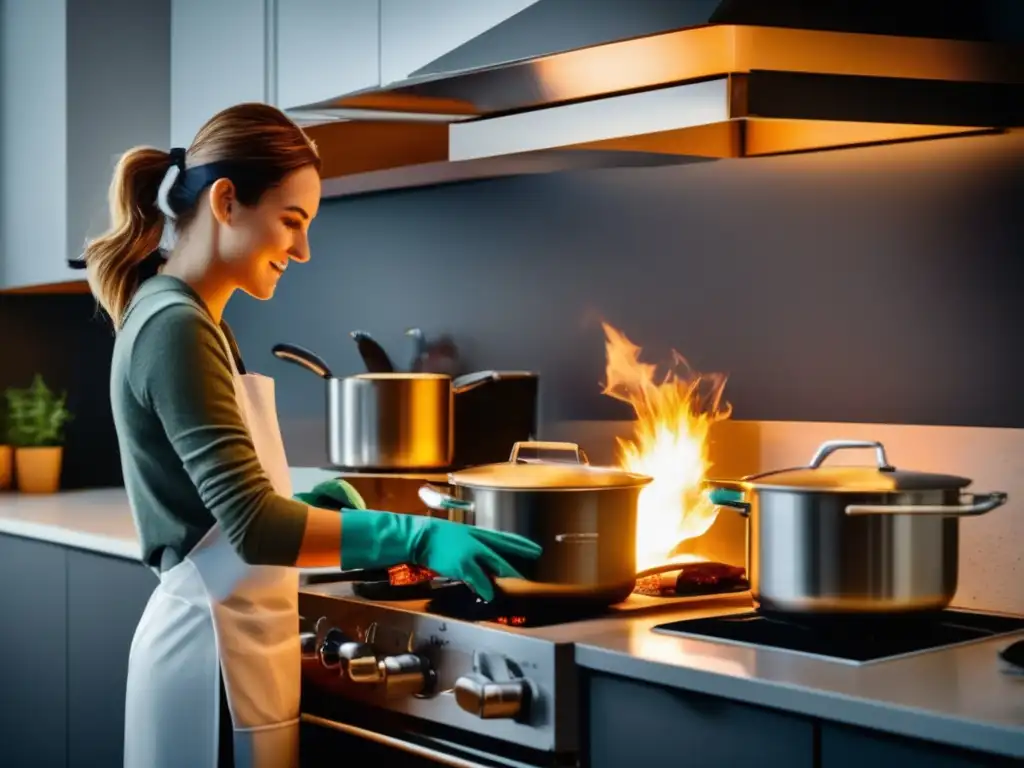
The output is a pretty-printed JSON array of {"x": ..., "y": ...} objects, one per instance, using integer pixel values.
[{"x": 212, "y": 615}]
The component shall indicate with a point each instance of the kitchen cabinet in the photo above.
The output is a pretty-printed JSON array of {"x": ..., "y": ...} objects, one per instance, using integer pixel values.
[
  {"x": 80, "y": 82},
  {"x": 33, "y": 664},
  {"x": 326, "y": 48},
  {"x": 628, "y": 722},
  {"x": 414, "y": 33},
  {"x": 218, "y": 58},
  {"x": 847, "y": 747},
  {"x": 105, "y": 600},
  {"x": 633, "y": 723},
  {"x": 68, "y": 621}
]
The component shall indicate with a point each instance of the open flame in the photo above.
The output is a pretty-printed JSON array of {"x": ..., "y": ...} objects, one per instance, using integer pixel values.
[{"x": 669, "y": 443}]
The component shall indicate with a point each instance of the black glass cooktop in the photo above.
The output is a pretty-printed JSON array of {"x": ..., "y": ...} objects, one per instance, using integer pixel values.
[{"x": 852, "y": 640}]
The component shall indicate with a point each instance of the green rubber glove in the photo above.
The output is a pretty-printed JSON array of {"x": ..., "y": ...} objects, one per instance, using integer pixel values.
[
  {"x": 333, "y": 494},
  {"x": 454, "y": 550}
]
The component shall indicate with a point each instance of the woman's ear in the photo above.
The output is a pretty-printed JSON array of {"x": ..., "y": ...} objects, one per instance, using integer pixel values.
[{"x": 223, "y": 200}]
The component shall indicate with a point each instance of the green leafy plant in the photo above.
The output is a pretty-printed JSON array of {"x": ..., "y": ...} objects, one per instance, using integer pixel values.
[{"x": 36, "y": 415}]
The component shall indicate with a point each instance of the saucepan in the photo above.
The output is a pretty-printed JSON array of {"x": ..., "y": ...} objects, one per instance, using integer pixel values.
[
  {"x": 584, "y": 517},
  {"x": 852, "y": 540},
  {"x": 388, "y": 421}
]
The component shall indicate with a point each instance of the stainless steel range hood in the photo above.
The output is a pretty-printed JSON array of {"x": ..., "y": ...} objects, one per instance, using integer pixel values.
[{"x": 705, "y": 79}]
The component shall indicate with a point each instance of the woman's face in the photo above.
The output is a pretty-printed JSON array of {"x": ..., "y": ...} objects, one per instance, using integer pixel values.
[{"x": 256, "y": 244}]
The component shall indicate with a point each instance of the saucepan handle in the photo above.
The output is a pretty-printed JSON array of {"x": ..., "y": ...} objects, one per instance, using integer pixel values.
[
  {"x": 979, "y": 504},
  {"x": 540, "y": 445},
  {"x": 731, "y": 498}
]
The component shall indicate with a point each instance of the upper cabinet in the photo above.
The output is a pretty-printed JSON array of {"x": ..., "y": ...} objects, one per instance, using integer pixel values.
[
  {"x": 414, "y": 33},
  {"x": 326, "y": 48},
  {"x": 77, "y": 88},
  {"x": 218, "y": 58}
]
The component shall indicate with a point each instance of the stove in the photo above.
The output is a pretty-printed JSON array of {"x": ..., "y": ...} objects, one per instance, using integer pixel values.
[
  {"x": 432, "y": 666},
  {"x": 854, "y": 640}
]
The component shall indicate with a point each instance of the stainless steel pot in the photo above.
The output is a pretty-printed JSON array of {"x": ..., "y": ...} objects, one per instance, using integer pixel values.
[
  {"x": 387, "y": 421},
  {"x": 852, "y": 540},
  {"x": 583, "y": 516}
]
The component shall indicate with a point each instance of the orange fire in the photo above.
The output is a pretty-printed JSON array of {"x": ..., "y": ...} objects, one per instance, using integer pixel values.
[{"x": 669, "y": 443}]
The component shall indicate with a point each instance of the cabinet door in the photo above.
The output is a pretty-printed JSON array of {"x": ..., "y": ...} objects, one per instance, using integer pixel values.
[
  {"x": 847, "y": 747},
  {"x": 415, "y": 32},
  {"x": 218, "y": 58},
  {"x": 326, "y": 48},
  {"x": 106, "y": 598},
  {"x": 33, "y": 665},
  {"x": 33, "y": 142},
  {"x": 629, "y": 723}
]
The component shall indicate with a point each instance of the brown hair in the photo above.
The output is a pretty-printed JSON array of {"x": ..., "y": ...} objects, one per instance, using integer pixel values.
[{"x": 255, "y": 145}]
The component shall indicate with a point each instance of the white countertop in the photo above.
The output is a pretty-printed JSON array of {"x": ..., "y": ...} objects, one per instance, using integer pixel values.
[{"x": 98, "y": 520}]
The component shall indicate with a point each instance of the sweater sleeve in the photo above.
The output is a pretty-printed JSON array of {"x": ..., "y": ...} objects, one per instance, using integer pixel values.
[{"x": 180, "y": 370}]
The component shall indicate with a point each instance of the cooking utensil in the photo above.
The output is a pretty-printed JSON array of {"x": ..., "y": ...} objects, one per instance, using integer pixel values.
[
  {"x": 841, "y": 540},
  {"x": 388, "y": 421},
  {"x": 383, "y": 421},
  {"x": 374, "y": 357},
  {"x": 583, "y": 516},
  {"x": 439, "y": 355}
]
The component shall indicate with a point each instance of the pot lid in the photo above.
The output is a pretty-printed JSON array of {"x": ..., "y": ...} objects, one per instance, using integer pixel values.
[
  {"x": 882, "y": 478},
  {"x": 524, "y": 474}
]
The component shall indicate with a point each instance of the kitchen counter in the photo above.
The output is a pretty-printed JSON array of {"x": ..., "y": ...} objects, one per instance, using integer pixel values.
[
  {"x": 956, "y": 696},
  {"x": 98, "y": 520}
]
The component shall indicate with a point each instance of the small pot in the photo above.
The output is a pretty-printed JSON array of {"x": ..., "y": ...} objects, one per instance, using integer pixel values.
[
  {"x": 845, "y": 540},
  {"x": 583, "y": 516},
  {"x": 388, "y": 421}
]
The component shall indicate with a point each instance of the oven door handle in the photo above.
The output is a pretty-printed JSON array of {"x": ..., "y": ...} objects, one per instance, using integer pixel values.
[{"x": 420, "y": 750}]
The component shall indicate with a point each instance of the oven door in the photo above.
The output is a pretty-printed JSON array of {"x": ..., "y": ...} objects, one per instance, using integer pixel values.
[{"x": 326, "y": 742}]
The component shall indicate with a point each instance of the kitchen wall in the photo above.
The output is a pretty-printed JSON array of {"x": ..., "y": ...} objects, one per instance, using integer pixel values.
[
  {"x": 866, "y": 285},
  {"x": 867, "y": 293},
  {"x": 63, "y": 338}
]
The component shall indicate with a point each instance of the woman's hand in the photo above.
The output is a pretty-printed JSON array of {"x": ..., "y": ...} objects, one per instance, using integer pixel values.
[{"x": 454, "y": 550}]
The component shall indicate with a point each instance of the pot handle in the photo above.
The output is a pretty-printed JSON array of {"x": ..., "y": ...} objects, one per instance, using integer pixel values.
[
  {"x": 576, "y": 538},
  {"x": 439, "y": 501},
  {"x": 727, "y": 497},
  {"x": 831, "y": 446},
  {"x": 980, "y": 503},
  {"x": 470, "y": 381},
  {"x": 540, "y": 445}
]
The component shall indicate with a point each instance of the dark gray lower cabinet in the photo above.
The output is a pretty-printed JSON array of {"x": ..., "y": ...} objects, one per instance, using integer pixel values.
[
  {"x": 630, "y": 723},
  {"x": 33, "y": 664},
  {"x": 67, "y": 619},
  {"x": 846, "y": 747},
  {"x": 106, "y": 597}
]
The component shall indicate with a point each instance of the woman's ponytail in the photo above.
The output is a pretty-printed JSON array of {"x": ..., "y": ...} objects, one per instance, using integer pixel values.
[{"x": 136, "y": 227}]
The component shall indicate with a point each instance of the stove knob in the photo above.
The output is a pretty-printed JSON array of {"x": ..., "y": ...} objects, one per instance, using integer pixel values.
[
  {"x": 359, "y": 663},
  {"x": 490, "y": 700},
  {"x": 407, "y": 674}
]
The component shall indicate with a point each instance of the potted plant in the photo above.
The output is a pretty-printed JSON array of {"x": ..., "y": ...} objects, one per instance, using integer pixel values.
[
  {"x": 6, "y": 452},
  {"x": 37, "y": 416}
]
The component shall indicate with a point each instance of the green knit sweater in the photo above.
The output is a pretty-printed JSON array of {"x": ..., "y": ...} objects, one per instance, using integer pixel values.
[{"x": 186, "y": 455}]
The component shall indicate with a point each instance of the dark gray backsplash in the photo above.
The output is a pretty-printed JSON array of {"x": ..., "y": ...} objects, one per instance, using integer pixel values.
[
  {"x": 63, "y": 338},
  {"x": 873, "y": 285}
]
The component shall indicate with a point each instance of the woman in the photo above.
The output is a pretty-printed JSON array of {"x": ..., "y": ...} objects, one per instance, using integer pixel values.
[{"x": 204, "y": 466}]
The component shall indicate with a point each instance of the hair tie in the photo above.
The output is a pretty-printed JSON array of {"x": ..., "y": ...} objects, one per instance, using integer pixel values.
[
  {"x": 178, "y": 157},
  {"x": 176, "y": 168}
]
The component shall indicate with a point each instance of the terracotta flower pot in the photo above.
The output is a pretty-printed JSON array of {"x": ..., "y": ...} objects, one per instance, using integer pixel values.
[
  {"x": 6, "y": 467},
  {"x": 38, "y": 468}
]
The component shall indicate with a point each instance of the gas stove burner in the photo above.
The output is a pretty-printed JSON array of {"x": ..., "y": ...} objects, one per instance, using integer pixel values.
[
  {"x": 851, "y": 639},
  {"x": 693, "y": 580},
  {"x": 457, "y": 601}
]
